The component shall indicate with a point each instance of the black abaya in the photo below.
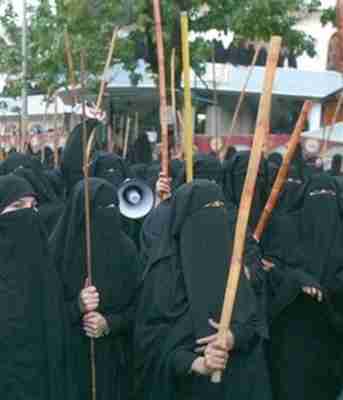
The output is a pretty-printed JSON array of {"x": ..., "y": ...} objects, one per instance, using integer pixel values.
[
  {"x": 33, "y": 344},
  {"x": 184, "y": 287},
  {"x": 115, "y": 274}
]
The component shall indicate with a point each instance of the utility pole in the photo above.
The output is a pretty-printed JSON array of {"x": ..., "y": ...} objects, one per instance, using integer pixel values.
[{"x": 24, "y": 108}]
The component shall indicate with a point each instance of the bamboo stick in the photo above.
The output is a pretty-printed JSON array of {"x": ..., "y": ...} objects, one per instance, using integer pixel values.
[
  {"x": 69, "y": 56},
  {"x": 162, "y": 87},
  {"x": 103, "y": 83},
  {"x": 107, "y": 66},
  {"x": 283, "y": 171},
  {"x": 248, "y": 192},
  {"x": 127, "y": 134},
  {"x": 173, "y": 95},
  {"x": 56, "y": 135},
  {"x": 86, "y": 157},
  {"x": 188, "y": 117}
]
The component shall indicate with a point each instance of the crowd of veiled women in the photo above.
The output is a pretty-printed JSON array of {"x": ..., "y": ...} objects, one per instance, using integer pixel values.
[{"x": 153, "y": 306}]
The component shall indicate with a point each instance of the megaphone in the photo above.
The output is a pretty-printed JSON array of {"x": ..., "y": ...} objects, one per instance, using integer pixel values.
[{"x": 136, "y": 199}]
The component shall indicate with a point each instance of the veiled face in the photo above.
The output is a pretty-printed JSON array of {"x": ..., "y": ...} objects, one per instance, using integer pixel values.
[{"x": 24, "y": 202}]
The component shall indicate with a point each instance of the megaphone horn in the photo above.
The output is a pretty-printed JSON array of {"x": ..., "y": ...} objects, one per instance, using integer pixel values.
[{"x": 136, "y": 199}]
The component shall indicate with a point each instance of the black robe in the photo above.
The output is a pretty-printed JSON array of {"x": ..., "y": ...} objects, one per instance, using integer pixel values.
[
  {"x": 49, "y": 205},
  {"x": 306, "y": 336},
  {"x": 183, "y": 287},
  {"x": 235, "y": 171},
  {"x": 33, "y": 344},
  {"x": 116, "y": 275}
]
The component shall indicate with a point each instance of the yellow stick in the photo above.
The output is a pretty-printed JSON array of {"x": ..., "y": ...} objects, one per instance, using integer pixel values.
[
  {"x": 261, "y": 129},
  {"x": 188, "y": 117}
]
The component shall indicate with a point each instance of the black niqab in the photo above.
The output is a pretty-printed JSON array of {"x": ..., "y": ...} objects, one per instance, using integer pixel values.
[
  {"x": 72, "y": 158},
  {"x": 33, "y": 345},
  {"x": 177, "y": 299},
  {"x": 115, "y": 274}
]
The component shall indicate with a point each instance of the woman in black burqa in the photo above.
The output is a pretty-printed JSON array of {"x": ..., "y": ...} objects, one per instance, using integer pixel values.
[
  {"x": 33, "y": 345},
  {"x": 183, "y": 288},
  {"x": 235, "y": 171},
  {"x": 306, "y": 295},
  {"x": 116, "y": 272}
]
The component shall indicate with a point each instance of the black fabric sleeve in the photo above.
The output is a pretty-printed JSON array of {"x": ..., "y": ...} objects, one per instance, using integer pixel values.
[
  {"x": 244, "y": 333},
  {"x": 74, "y": 310},
  {"x": 182, "y": 362}
]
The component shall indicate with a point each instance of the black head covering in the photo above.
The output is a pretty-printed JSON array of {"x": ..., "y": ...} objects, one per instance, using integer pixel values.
[
  {"x": 32, "y": 337},
  {"x": 234, "y": 176},
  {"x": 141, "y": 151},
  {"x": 107, "y": 259},
  {"x": 13, "y": 188},
  {"x": 204, "y": 167},
  {"x": 18, "y": 160},
  {"x": 115, "y": 274},
  {"x": 56, "y": 180},
  {"x": 274, "y": 164},
  {"x": 72, "y": 158},
  {"x": 308, "y": 243},
  {"x": 40, "y": 183},
  {"x": 139, "y": 171},
  {"x": 321, "y": 229},
  {"x": 110, "y": 167},
  {"x": 177, "y": 300},
  {"x": 231, "y": 151}
]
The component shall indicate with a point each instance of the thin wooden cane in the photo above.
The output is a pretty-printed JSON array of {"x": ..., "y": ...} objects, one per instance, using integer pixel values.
[
  {"x": 283, "y": 171},
  {"x": 69, "y": 56},
  {"x": 87, "y": 218},
  {"x": 126, "y": 140},
  {"x": 188, "y": 117},
  {"x": 136, "y": 125},
  {"x": 242, "y": 95},
  {"x": 173, "y": 95},
  {"x": 56, "y": 134},
  {"x": 215, "y": 99},
  {"x": 107, "y": 66},
  {"x": 248, "y": 192},
  {"x": 103, "y": 84},
  {"x": 162, "y": 88}
]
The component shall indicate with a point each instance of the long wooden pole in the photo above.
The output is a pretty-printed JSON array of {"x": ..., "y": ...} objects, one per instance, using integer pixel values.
[
  {"x": 127, "y": 134},
  {"x": 188, "y": 117},
  {"x": 162, "y": 87},
  {"x": 103, "y": 83},
  {"x": 283, "y": 171},
  {"x": 248, "y": 192},
  {"x": 173, "y": 95},
  {"x": 243, "y": 92},
  {"x": 87, "y": 216},
  {"x": 69, "y": 57},
  {"x": 56, "y": 134},
  {"x": 106, "y": 68}
]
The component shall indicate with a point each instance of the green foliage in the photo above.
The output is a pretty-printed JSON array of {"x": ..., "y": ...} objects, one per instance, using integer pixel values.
[
  {"x": 90, "y": 24},
  {"x": 329, "y": 16}
]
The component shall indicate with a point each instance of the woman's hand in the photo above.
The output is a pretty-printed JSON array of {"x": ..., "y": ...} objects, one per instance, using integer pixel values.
[
  {"x": 95, "y": 325},
  {"x": 203, "y": 342},
  {"x": 314, "y": 293},
  {"x": 163, "y": 188},
  {"x": 89, "y": 299}
]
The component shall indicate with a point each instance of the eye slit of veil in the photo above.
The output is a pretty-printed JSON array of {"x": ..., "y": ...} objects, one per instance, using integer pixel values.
[
  {"x": 292, "y": 180},
  {"x": 322, "y": 191},
  {"x": 215, "y": 204},
  {"x": 112, "y": 205}
]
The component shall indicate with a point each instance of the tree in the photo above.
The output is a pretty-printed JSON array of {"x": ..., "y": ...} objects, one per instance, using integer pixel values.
[{"x": 90, "y": 24}]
